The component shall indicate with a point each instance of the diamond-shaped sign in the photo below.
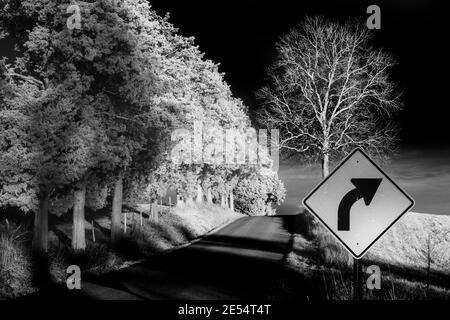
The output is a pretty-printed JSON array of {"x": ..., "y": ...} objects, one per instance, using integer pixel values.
[{"x": 358, "y": 202}]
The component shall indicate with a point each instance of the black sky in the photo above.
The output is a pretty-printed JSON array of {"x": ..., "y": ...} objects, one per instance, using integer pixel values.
[{"x": 240, "y": 35}]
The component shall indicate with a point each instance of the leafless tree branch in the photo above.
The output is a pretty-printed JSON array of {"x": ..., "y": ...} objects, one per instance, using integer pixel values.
[{"x": 330, "y": 91}]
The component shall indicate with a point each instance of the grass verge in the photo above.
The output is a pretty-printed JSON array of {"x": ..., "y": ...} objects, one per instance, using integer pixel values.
[
  {"x": 318, "y": 268},
  {"x": 23, "y": 273}
]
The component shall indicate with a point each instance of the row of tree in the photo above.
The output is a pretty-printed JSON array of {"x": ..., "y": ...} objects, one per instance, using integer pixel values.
[{"x": 86, "y": 113}]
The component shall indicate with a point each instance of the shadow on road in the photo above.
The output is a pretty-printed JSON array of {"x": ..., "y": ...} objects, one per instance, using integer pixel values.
[{"x": 241, "y": 261}]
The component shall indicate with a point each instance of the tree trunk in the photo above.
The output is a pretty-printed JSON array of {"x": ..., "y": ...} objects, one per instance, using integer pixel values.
[
  {"x": 428, "y": 265},
  {"x": 40, "y": 230},
  {"x": 428, "y": 276},
  {"x": 222, "y": 201},
  {"x": 209, "y": 196},
  {"x": 116, "y": 214},
  {"x": 231, "y": 201},
  {"x": 78, "y": 230},
  {"x": 199, "y": 198},
  {"x": 325, "y": 165}
]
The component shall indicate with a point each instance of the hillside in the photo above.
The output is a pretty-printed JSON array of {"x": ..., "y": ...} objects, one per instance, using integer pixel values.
[{"x": 407, "y": 243}]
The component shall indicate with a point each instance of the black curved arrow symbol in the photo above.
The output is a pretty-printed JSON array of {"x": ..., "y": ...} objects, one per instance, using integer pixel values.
[{"x": 364, "y": 188}]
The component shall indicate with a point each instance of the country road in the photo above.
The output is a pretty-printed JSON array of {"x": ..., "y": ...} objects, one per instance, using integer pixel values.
[{"x": 240, "y": 261}]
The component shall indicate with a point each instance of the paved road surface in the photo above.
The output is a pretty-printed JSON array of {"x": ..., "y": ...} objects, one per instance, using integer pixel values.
[{"x": 240, "y": 261}]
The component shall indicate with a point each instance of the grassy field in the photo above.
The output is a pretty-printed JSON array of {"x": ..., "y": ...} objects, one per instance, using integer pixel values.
[
  {"x": 321, "y": 265},
  {"x": 23, "y": 273},
  {"x": 416, "y": 241}
]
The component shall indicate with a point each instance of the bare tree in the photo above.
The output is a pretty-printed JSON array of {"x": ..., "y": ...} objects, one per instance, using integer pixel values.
[
  {"x": 330, "y": 91},
  {"x": 430, "y": 251},
  {"x": 427, "y": 252}
]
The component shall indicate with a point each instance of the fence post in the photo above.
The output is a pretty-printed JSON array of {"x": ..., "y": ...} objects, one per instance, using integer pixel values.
[
  {"x": 231, "y": 200},
  {"x": 93, "y": 231}
]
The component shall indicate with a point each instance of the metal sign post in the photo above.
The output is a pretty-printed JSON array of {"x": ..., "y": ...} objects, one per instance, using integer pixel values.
[{"x": 357, "y": 279}]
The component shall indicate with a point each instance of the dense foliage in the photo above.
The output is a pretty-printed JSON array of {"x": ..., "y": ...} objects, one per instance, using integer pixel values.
[{"x": 86, "y": 114}]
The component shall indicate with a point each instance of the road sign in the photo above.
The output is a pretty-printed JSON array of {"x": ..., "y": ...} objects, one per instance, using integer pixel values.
[{"x": 358, "y": 202}]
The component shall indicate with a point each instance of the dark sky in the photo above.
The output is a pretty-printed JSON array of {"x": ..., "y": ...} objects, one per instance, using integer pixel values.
[{"x": 240, "y": 35}]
